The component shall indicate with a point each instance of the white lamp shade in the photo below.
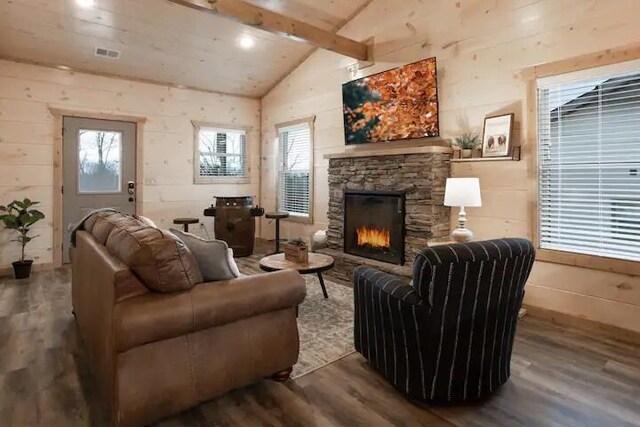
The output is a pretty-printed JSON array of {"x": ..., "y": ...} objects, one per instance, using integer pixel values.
[{"x": 462, "y": 192}]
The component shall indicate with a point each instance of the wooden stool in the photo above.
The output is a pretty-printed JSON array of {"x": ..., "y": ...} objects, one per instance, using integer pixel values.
[
  {"x": 185, "y": 222},
  {"x": 277, "y": 216}
]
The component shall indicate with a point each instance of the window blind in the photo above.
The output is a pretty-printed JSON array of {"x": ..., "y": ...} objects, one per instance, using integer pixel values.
[
  {"x": 222, "y": 154},
  {"x": 589, "y": 166},
  {"x": 294, "y": 178}
]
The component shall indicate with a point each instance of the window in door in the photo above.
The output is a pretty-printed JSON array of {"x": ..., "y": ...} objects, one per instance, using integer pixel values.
[
  {"x": 295, "y": 172},
  {"x": 99, "y": 161},
  {"x": 589, "y": 164},
  {"x": 220, "y": 155}
]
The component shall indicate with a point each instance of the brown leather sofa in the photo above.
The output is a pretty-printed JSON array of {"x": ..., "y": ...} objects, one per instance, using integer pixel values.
[{"x": 157, "y": 353}]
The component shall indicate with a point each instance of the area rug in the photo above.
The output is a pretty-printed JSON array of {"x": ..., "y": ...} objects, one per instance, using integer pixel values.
[{"x": 325, "y": 325}]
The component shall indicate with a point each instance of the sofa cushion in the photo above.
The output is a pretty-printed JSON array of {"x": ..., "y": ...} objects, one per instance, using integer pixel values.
[
  {"x": 145, "y": 220},
  {"x": 126, "y": 238},
  {"x": 159, "y": 259},
  {"x": 213, "y": 256},
  {"x": 165, "y": 264},
  {"x": 104, "y": 224},
  {"x": 90, "y": 221}
]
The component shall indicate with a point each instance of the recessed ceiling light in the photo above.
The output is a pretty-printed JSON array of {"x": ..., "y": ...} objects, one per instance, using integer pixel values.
[
  {"x": 63, "y": 67},
  {"x": 85, "y": 3},
  {"x": 246, "y": 42}
]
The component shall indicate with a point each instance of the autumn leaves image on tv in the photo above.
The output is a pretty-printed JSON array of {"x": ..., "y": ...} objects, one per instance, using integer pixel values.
[{"x": 396, "y": 104}]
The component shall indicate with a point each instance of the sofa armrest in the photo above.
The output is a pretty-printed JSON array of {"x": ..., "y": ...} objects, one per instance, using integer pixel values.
[
  {"x": 155, "y": 316},
  {"x": 230, "y": 300}
]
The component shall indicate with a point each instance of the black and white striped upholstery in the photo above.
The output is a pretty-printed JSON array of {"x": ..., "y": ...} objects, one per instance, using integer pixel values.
[{"x": 447, "y": 338}]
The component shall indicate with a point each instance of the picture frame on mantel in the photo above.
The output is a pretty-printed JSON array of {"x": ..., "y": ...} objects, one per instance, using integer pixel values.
[{"x": 497, "y": 135}]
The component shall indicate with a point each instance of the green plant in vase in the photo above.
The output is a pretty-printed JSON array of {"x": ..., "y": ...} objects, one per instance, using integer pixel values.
[
  {"x": 18, "y": 216},
  {"x": 298, "y": 242},
  {"x": 467, "y": 142}
]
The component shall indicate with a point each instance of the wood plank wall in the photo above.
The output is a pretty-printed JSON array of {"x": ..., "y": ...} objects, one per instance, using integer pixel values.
[
  {"x": 27, "y": 138},
  {"x": 481, "y": 47}
]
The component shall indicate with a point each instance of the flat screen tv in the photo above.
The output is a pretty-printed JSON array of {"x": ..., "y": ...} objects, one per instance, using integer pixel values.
[{"x": 392, "y": 105}]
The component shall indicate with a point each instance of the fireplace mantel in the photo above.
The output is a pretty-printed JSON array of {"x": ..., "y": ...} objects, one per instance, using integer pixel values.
[{"x": 389, "y": 151}]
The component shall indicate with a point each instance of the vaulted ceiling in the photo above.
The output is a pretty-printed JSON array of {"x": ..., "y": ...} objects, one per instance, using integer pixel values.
[{"x": 163, "y": 42}]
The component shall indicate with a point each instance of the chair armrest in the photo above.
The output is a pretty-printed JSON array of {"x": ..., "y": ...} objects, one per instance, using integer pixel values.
[
  {"x": 387, "y": 316},
  {"x": 394, "y": 286},
  {"x": 155, "y": 316}
]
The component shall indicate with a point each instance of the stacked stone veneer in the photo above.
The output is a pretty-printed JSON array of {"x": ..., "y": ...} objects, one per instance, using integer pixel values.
[{"x": 421, "y": 176}]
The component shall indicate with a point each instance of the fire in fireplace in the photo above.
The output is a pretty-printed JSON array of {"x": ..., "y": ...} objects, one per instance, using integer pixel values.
[
  {"x": 374, "y": 237},
  {"x": 374, "y": 224}
]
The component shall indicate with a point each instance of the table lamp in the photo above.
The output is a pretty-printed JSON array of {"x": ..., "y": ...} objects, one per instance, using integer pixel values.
[{"x": 462, "y": 192}]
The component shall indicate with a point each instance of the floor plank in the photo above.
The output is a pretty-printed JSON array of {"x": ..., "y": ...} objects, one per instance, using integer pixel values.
[{"x": 561, "y": 376}]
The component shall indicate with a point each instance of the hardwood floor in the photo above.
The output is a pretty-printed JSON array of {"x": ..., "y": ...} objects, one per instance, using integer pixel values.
[{"x": 560, "y": 376}]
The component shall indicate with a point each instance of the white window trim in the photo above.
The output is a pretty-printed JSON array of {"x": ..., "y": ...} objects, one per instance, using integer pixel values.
[
  {"x": 197, "y": 179},
  {"x": 305, "y": 219}
]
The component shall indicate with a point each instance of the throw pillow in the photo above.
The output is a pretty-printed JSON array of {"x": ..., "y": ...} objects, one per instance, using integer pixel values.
[{"x": 212, "y": 256}]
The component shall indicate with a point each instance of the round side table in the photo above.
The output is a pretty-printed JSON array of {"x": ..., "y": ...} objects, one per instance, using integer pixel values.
[{"x": 316, "y": 265}]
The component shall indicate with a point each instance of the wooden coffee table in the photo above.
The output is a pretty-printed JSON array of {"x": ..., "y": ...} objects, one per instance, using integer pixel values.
[{"x": 316, "y": 265}]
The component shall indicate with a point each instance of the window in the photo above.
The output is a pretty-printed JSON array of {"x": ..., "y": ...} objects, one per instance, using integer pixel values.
[
  {"x": 295, "y": 178},
  {"x": 589, "y": 163},
  {"x": 99, "y": 165},
  {"x": 220, "y": 154}
]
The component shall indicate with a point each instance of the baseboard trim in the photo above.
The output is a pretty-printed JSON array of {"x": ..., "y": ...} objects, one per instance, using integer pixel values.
[
  {"x": 8, "y": 271},
  {"x": 564, "y": 319}
]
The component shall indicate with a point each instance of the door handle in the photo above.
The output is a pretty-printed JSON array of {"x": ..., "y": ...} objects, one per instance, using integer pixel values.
[{"x": 131, "y": 188}]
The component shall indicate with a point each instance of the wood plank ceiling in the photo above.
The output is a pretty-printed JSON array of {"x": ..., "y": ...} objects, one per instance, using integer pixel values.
[{"x": 163, "y": 42}]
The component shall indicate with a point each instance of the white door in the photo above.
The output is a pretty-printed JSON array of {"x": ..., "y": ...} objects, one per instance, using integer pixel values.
[{"x": 99, "y": 169}]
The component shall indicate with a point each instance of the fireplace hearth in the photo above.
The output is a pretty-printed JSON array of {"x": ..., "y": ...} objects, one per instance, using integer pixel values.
[{"x": 374, "y": 224}]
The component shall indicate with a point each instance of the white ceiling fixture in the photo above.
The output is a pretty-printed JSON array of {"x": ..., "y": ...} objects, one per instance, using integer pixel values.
[
  {"x": 85, "y": 4},
  {"x": 246, "y": 42}
]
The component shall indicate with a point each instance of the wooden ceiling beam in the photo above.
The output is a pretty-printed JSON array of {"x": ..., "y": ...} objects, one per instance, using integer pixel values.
[{"x": 273, "y": 22}]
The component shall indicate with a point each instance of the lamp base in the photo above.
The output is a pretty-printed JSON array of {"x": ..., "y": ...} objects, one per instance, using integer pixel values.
[{"x": 461, "y": 235}]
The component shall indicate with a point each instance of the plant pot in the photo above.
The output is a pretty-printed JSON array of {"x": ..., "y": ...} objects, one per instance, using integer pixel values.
[
  {"x": 466, "y": 154},
  {"x": 293, "y": 253},
  {"x": 22, "y": 269}
]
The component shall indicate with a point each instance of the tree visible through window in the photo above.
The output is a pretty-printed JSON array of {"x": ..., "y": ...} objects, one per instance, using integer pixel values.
[
  {"x": 99, "y": 155},
  {"x": 295, "y": 178},
  {"x": 221, "y": 154}
]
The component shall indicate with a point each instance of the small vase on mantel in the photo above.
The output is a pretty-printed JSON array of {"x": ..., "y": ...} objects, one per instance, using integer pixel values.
[{"x": 466, "y": 153}]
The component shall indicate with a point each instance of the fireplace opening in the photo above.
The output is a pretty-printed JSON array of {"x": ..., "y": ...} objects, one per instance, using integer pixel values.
[{"x": 374, "y": 224}]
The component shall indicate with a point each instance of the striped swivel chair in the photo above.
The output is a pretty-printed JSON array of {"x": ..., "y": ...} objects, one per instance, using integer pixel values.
[{"x": 448, "y": 337}]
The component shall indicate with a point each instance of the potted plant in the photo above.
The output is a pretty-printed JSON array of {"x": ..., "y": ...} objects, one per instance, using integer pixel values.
[
  {"x": 467, "y": 142},
  {"x": 296, "y": 251},
  {"x": 18, "y": 216}
]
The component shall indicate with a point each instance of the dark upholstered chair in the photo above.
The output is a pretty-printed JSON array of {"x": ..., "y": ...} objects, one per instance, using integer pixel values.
[{"x": 448, "y": 337}]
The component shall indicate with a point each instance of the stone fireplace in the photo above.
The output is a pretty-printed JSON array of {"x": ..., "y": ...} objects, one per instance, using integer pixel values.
[{"x": 413, "y": 181}]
